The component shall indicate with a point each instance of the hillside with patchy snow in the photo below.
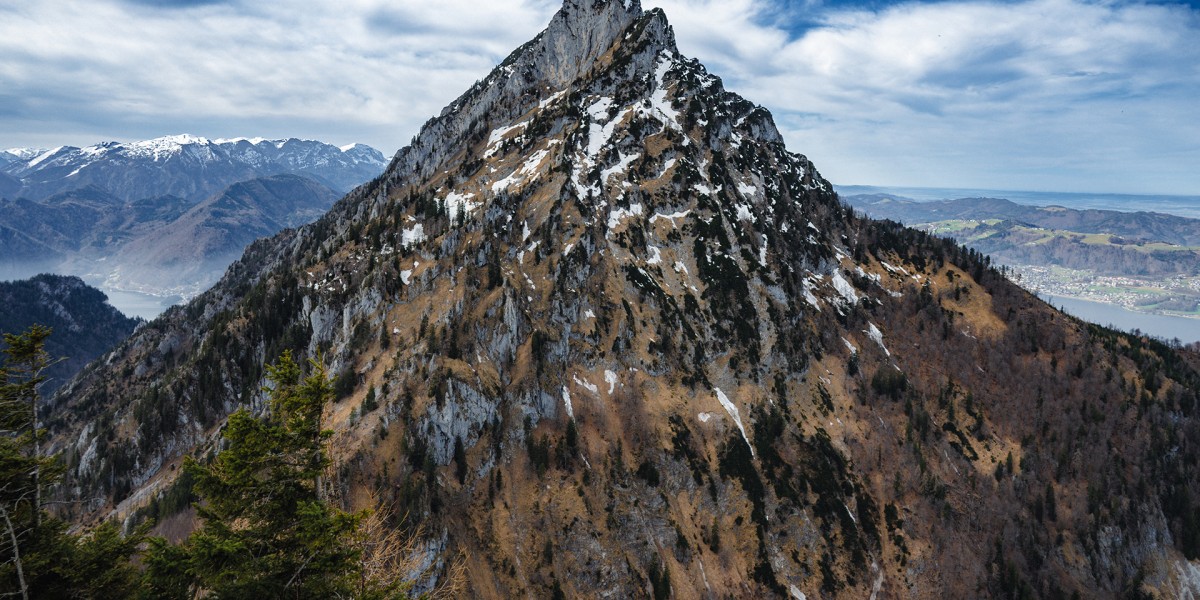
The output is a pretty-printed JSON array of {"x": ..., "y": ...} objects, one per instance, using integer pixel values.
[{"x": 602, "y": 335}]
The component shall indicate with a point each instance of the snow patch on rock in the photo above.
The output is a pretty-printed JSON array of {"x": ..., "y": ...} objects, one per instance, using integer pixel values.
[
  {"x": 733, "y": 412},
  {"x": 655, "y": 255},
  {"x": 591, "y": 387},
  {"x": 616, "y": 216},
  {"x": 611, "y": 378},
  {"x": 413, "y": 235},
  {"x": 844, "y": 289},
  {"x": 876, "y": 336}
]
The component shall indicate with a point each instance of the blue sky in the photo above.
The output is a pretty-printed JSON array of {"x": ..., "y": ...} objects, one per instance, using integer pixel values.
[{"x": 1055, "y": 95}]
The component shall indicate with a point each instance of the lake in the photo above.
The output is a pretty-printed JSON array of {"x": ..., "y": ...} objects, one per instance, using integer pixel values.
[
  {"x": 134, "y": 304},
  {"x": 1161, "y": 326}
]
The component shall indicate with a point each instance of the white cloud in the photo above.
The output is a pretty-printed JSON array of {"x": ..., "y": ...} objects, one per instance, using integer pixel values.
[
  {"x": 1051, "y": 94},
  {"x": 345, "y": 71}
]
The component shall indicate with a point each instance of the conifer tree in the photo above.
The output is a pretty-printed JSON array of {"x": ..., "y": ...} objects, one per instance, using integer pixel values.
[
  {"x": 267, "y": 529},
  {"x": 39, "y": 558},
  {"x": 23, "y": 469}
]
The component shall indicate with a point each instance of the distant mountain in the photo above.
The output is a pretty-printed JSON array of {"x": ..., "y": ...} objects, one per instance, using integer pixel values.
[
  {"x": 87, "y": 223},
  {"x": 23, "y": 255},
  {"x": 86, "y": 218},
  {"x": 9, "y": 186},
  {"x": 1144, "y": 261},
  {"x": 1146, "y": 226},
  {"x": 194, "y": 249},
  {"x": 73, "y": 210},
  {"x": 186, "y": 166},
  {"x": 1106, "y": 242},
  {"x": 13, "y": 155},
  {"x": 157, "y": 245},
  {"x": 85, "y": 325},
  {"x": 1101, "y": 253}
]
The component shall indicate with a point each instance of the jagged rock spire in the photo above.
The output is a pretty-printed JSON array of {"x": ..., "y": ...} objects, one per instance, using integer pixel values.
[
  {"x": 580, "y": 32},
  {"x": 578, "y": 35}
]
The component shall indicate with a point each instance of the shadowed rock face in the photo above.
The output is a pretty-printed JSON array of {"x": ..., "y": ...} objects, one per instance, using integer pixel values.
[
  {"x": 84, "y": 325},
  {"x": 619, "y": 342},
  {"x": 9, "y": 186}
]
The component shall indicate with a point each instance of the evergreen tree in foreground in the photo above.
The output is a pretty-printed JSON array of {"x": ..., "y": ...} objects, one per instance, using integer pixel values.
[
  {"x": 267, "y": 530},
  {"x": 38, "y": 557}
]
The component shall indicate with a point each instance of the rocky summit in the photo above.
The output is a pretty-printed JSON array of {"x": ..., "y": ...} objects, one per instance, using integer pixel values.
[{"x": 602, "y": 335}]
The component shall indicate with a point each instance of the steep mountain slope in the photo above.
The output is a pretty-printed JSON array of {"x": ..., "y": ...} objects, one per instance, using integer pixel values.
[
  {"x": 186, "y": 166},
  {"x": 606, "y": 337},
  {"x": 85, "y": 325}
]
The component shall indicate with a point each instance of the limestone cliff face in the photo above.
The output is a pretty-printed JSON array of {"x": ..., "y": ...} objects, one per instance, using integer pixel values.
[
  {"x": 553, "y": 60},
  {"x": 604, "y": 333}
]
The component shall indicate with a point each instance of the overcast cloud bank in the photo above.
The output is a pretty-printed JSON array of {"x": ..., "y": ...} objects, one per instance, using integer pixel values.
[{"x": 1043, "y": 94}]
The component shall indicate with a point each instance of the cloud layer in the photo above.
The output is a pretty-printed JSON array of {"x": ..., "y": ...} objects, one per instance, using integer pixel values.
[
  {"x": 1042, "y": 94},
  {"x": 1046, "y": 94}
]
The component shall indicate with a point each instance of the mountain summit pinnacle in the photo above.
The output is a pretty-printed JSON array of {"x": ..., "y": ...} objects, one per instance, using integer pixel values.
[
  {"x": 581, "y": 31},
  {"x": 578, "y": 36}
]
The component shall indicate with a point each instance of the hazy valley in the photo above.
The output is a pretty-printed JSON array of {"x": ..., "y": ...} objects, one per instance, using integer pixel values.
[{"x": 163, "y": 217}]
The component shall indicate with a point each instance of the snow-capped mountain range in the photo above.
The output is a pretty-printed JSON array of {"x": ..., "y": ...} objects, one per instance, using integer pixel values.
[
  {"x": 186, "y": 166},
  {"x": 153, "y": 216}
]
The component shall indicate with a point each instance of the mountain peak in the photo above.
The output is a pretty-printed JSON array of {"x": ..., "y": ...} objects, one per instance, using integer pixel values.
[
  {"x": 158, "y": 149},
  {"x": 575, "y": 43},
  {"x": 25, "y": 153},
  {"x": 586, "y": 9},
  {"x": 581, "y": 32}
]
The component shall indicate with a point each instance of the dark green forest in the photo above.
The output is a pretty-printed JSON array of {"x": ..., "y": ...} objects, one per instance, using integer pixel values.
[{"x": 267, "y": 525}]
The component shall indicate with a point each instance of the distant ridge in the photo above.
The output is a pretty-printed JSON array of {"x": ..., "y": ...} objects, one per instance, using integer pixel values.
[
  {"x": 84, "y": 325},
  {"x": 75, "y": 210},
  {"x": 1178, "y": 205},
  {"x": 1140, "y": 225},
  {"x": 186, "y": 166}
]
